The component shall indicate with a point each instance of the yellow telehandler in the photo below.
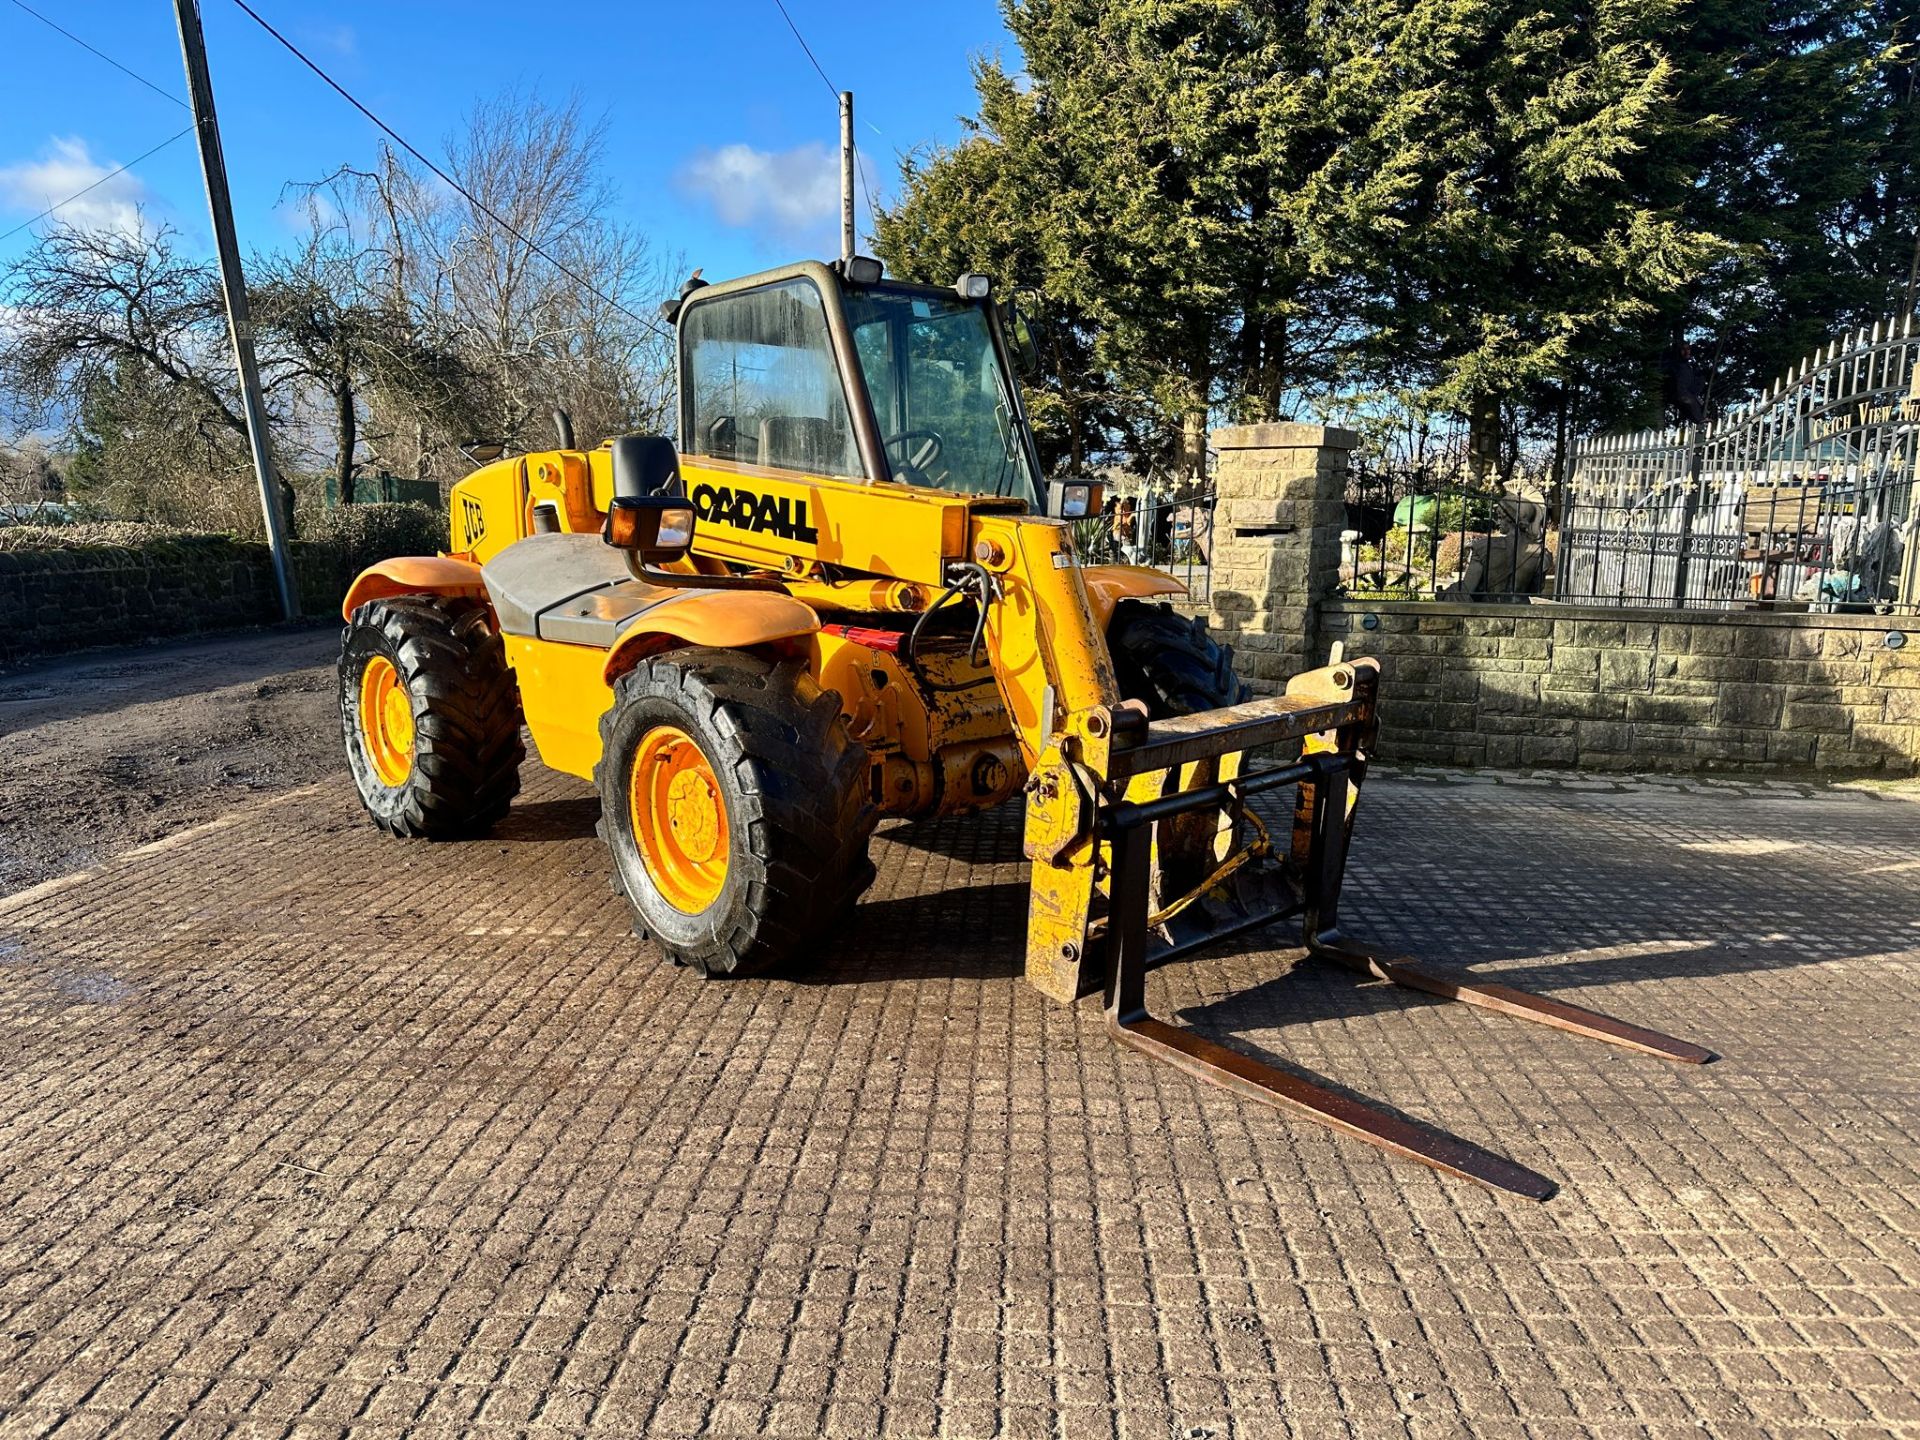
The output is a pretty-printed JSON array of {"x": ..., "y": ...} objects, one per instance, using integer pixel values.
[{"x": 848, "y": 594}]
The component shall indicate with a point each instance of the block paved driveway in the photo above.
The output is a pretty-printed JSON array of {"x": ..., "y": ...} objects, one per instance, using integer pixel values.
[{"x": 305, "y": 1131}]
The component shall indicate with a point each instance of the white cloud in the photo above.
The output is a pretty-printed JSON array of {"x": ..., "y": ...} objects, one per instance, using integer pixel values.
[
  {"x": 65, "y": 168},
  {"x": 300, "y": 213},
  {"x": 785, "y": 193},
  {"x": 340, "y": 39}
]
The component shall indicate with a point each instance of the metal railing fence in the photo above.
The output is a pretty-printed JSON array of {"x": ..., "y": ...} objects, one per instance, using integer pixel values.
[
  {"x": 1462, "y": 542},
  {"x": 1174, "y": 533},
  {"x": 1802, "y": 498}
]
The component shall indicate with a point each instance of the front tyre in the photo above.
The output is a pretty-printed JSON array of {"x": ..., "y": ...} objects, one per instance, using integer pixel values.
[
  {"x": 431, "y": 716},
  {"x": 735, "y": 806},
  {"x": 1174, "y": 664},
  {"x": 1171, "y": 661}
]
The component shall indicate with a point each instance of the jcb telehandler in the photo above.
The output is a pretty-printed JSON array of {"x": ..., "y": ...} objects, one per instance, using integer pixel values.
[{"x": 850, "y": 594}]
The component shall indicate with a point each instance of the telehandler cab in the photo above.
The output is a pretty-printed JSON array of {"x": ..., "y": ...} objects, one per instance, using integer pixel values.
[{"x": 850, "y": 595}]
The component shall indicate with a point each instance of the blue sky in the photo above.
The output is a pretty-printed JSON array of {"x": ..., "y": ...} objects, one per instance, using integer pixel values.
[{"x": 697, "y": 98}]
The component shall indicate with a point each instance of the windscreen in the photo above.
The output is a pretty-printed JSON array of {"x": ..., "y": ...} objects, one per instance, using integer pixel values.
[{"x": 941, "y": 400}]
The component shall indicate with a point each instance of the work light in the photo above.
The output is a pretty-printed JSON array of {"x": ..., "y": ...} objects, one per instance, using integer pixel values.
[
  {"x": 1074, "y": 499},
  {"x": 655, "y": 528}
]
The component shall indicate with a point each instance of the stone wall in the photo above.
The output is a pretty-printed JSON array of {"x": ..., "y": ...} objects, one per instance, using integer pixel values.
[
  {"x": 111, "y": 584},
  {"x": 1571, "y": 687},
  {"x": 1548, "y": 685},
  {"x": 57, "y": 600}
]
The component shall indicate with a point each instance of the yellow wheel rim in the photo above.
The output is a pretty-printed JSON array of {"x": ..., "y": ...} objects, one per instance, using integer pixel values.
[
  {"x": 679, "y": 819},
  {"x": 386, "y": 722}
]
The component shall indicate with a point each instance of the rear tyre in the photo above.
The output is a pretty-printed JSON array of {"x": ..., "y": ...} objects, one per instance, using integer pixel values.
[
  {"x": 1171, "y": 661},
  {"x": 431, "y": 716},
  {"x": 735, "y": 805}
]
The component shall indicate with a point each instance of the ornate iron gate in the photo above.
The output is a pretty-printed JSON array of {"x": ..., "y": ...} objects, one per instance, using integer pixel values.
[{"x": 1803, "y": 498}]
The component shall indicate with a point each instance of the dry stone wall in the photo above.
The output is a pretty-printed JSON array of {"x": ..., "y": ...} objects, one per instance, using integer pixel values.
[
  {"x": 57, "y": 600},
  {"x": 74, "y": 588},
  {"x": 1538, "y": 685}
]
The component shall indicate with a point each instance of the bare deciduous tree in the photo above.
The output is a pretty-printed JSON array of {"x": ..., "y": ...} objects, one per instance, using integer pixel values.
[
  {"x": 336, "y": 331},
  {"x": 410, "y": 320},
  {"x": 570, "y": 334},
  {"x": 84, "y": 302},
  {"x": 120, "y": 339},
  {"x": 29, "y": 478}
]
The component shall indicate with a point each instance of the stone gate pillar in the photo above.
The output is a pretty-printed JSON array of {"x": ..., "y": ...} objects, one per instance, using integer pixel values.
[{"x": 1281, "y": 506}]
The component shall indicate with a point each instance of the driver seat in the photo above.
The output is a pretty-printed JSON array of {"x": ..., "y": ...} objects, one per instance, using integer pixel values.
[{"x": 802, "y": 442}]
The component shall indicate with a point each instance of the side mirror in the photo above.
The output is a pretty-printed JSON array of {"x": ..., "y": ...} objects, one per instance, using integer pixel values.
[
  {"x": 1075, "y": 499},
  {"x": 1022, "y": 339},
  {"x": 645, "y": 465},
  {"x": 653, "y": 529}
]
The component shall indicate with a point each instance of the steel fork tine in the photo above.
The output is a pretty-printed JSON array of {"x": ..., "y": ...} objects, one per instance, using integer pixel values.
[
  {"x": 1129, "y": 1022},
  {"x": 1254, "y": 1080},
  {"x": 1522, "y": 1004}
]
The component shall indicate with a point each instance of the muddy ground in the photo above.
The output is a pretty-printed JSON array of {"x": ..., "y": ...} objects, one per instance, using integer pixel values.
[{"x": 106, "y": 750}]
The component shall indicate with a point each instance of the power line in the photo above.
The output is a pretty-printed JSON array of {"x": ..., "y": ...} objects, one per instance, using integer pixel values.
[
  {"x": 95, "y": 185},
  {"x": 471, "y": 198},
  {"x": 124, "y": 70},
  {"x": 132, "y": 74},
  {"x": 832, "y": 89},
  {"x": 873, "y": 215}
]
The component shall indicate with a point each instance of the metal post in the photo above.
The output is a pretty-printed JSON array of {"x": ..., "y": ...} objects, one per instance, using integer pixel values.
[
  {"x": 846, "y": 174},
  {"x": 1563, "y": 547},
  {"x": 1689, "y": 507},
  {"x": 193, "y": 49}
]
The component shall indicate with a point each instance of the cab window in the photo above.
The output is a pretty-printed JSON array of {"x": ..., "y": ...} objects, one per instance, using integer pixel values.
[
  {"x": 943, "y": 405},
  {"x": 762, "y": 385}
]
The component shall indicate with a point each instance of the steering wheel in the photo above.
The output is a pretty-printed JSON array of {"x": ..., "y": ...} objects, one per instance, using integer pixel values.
[{"x": 928, "y": 451}]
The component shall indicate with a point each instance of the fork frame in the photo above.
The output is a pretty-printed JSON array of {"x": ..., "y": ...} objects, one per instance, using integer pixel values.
[{"x": 1328, "y": 775}]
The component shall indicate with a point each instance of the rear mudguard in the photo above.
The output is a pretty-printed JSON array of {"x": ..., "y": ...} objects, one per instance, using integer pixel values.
[{"x": 722, "y": 619}]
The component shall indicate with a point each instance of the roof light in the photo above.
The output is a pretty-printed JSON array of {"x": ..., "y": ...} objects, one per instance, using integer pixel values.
[
  {"x": 973, "y": 287},
  {"x": 863, "y": 270}
]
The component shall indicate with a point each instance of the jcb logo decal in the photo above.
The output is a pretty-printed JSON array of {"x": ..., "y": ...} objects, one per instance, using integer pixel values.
[
  {"x": 780, "y": 515},
  {"x": 473, "y": 520}
]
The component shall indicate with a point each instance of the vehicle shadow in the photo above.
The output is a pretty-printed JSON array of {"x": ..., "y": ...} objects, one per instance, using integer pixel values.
[
  {"x": 993, "y": 838},
  {"x": 573, "y": 818},
  {"x": 973, "y": 932},
  {"x": 976, "y": 933}
]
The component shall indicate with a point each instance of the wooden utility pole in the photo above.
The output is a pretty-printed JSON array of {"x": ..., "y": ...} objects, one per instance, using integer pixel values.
[
  {"x": 193, "y": 49},
  {"x": 846, "y": 174}
]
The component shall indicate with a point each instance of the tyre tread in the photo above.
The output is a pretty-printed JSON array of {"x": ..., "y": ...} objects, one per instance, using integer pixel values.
[
  {"x": 1171, "y": 661},
  {"x": 804, "y": 784},
  {"x": 468, "y": 747}
]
